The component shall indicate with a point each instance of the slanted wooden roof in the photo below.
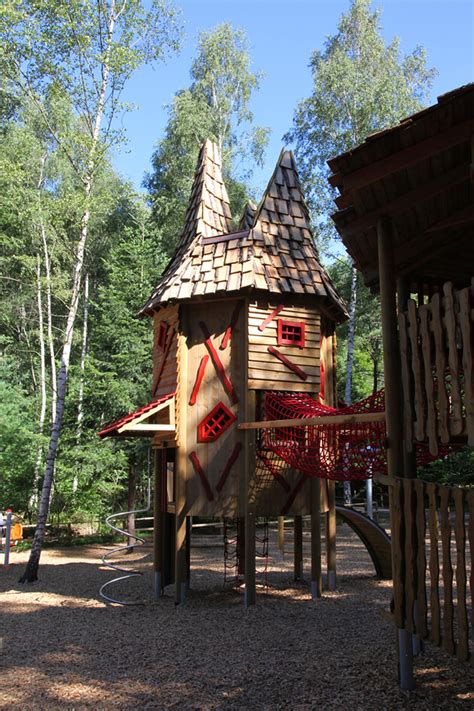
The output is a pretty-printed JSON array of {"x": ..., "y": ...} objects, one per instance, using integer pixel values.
[
  {"x": 273, "y": 252},
  {"x": 136, "y": 424},
  {"x": 419, "y": 174}
]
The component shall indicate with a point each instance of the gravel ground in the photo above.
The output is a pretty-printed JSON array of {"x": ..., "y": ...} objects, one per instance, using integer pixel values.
[{"x": 65, "y": 648}]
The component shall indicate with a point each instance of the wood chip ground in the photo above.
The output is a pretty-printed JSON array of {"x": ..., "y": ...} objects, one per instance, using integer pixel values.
[{"x": 62, "y": 647}]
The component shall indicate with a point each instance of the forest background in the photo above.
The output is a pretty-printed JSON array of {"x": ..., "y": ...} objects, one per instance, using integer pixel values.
[{"x": 59, "y": 176}]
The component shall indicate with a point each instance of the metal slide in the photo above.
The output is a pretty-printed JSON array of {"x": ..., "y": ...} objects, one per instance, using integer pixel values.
[
  {"x": 374, "y": 538},
  {"x": 133, "y": 540}
]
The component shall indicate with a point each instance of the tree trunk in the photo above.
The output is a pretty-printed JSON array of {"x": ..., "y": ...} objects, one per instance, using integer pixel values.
[
  {"x": 31, "y": 572},
  {"x": 80, "y": 400},
  {"x": 350, "y": 361},
  {"x": 42, "y": 415},
  {"x": 49, "y": 326},
  {"x": 375, "y": 373}
]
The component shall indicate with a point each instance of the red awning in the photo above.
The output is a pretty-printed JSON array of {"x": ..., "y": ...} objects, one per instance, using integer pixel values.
[{"x": 137, "y": 424}]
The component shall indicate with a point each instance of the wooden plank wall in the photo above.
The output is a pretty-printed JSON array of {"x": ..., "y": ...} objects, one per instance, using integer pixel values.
[
  {"x": 165, "y": 359},
  {"x": 211, "y": 458},
  {"x": 438, "y": 368},
  {"x": 265, "y": 370},
  {"x": 433, "y": 553}
]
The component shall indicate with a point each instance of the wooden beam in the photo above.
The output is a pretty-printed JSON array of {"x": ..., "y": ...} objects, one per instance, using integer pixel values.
[
  {"x": 405, "y": 158},
  {"x": 316, "y": 577},
  {"x": 412, "y": 198},
  {"x": 306, "y": 422},
  {"x": 146, "y": 428}
]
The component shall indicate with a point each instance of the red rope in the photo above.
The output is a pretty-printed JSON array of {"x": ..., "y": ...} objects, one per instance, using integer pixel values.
[{"x": 330, "y": 451}]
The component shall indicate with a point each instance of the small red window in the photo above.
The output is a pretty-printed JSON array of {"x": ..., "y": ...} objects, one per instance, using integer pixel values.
[
  {"x": 215, "y": 423},
  {"x": 162, "y": 333},
  {"x": 290, "y": 333}
]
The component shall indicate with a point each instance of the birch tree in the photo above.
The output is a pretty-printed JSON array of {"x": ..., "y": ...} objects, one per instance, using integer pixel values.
[
  {"x": 216, "y": 105},
  {"x": 84, "y": 50},
  {"x": 360, "y": 85}
]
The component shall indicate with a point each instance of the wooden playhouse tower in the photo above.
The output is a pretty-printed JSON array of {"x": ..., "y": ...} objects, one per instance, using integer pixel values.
[{"x": 236, "y": 313}]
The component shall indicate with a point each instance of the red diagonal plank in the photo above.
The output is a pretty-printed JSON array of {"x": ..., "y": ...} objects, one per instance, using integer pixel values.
[
  {"x": 233, "y": 323},
  {"x": 165, "y": 356},
  {"x": 230, "y": 463},
  {"x": 199, "y": 471},
  {"x": 199, "y": 377},
  {"x": 293, "y": 494},
  {"x": 280, "y": 479},
  {"x": 270, "y": 318},
  {"x": 220, "y": 370},
  {"x": 292, "y": 366}
]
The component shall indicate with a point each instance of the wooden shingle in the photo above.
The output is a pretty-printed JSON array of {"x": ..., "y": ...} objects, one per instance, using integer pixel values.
[{"x": 273, "y": 251}]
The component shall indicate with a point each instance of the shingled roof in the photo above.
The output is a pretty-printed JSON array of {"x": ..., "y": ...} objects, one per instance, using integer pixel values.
[{"x": 275, "y": 253}]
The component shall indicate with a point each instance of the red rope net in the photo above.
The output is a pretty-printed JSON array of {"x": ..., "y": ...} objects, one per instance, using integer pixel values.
[{"x": 329, "y": 451}]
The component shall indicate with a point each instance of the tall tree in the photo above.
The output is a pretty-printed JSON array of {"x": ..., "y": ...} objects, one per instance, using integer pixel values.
[
  {"x": 215, "y": 106},
  {"x": 360, "y": 85},
  {"x": 84, "y": 51}
]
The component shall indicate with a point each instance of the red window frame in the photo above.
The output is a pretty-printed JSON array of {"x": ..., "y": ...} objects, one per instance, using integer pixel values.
[
  {"x": 291, "y": 333},
  {"x": 215, "y": 423},
  {"x": 162, "y": 334}
]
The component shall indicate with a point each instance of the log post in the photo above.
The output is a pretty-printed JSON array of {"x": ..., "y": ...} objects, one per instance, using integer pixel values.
[
  {"x": 298, "y": 547},
  {"x": 249, "y": 504},
  {"x": 180, "y": 467},
  {"x": 391, "y": 349},
  {"x": 281, "y": 536},
  {"x": 394, "y": 423},
  {"x": 158, "y": 522},
  {"x": 316, "y": 578}
]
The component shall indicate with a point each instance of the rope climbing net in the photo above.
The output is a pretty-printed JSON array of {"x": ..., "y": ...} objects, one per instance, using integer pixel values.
[{"x": 343, "y": 451}]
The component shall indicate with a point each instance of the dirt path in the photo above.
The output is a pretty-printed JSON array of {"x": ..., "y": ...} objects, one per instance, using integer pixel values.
[{"x": 63, "y": 647}]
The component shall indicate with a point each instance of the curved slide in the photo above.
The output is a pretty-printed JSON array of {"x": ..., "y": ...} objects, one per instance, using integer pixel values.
[{"x": 374, "y": 538}]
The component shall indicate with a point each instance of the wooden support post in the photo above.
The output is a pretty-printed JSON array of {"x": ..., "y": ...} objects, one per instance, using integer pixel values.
[
  {"x": 409, "y": 458},
  {"x": 298, "y": 547},
  {"x": 281, "y": 536},
  {"x": 181, "y": 466},
  {"x": 158, "y": 527},
  {"x": 316, "y": 578},
  {"x": 189, "y": 528},
  {"x": 241, "y": 545},
  {"x": 394, "y": 424},
  {"x": 250, "y": 502},
  {"x": 331, "y": 536},
  {"x": 391, "y": 348}
]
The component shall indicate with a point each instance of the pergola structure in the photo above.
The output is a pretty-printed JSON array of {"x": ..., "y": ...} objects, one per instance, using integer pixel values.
[{"x": 406, "y": 215}]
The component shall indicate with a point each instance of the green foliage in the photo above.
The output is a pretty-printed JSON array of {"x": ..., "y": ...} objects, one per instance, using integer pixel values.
[
  {"x": 360, "y": 85},
  {"x": 457, "y": 469},
  {"x": 368, "y": 360},
  {"x": 215, "y": 106},
  {"x": 18, "y": 437}
]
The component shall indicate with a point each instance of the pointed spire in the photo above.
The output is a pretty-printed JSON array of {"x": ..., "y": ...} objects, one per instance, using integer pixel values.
[
  {"x": 284, "y": 243},
  {"x": 208, "y": 212},
  {"x": 208, "y": 215}
]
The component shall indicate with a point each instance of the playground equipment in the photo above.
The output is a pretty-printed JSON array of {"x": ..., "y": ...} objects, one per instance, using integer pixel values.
[
  {"x": 133, "y": 541},
  {"x": 10, "y": 534},
  {"x": 238, "y": 311}
]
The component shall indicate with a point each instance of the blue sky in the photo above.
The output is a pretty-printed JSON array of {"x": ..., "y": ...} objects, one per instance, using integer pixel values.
[{"x": 282, "y": 35}]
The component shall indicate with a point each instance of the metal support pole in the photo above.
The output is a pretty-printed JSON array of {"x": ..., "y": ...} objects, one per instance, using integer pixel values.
[
  {"x": 405, "y": 660},
  {"x": 370, "y": 501}
]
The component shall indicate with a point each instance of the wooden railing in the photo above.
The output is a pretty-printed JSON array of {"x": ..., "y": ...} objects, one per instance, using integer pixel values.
[
  {"x": 433, "y": 547},
  {"x": 437, "y": 361}
]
